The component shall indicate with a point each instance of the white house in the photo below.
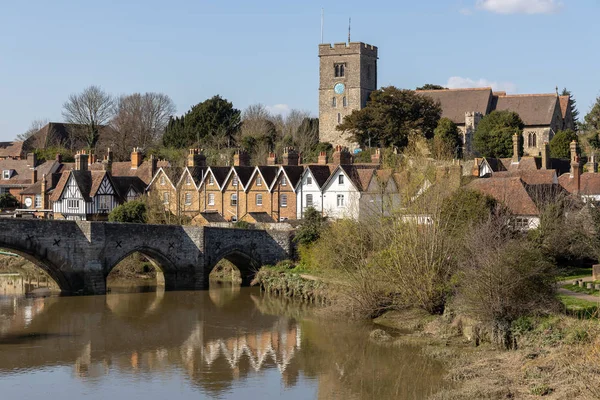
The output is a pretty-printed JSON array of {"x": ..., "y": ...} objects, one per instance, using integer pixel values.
[
  {"x": 381, "y": 196},
  {"x": 309, "y": 190},
  {"x": 343, "y": 191}
]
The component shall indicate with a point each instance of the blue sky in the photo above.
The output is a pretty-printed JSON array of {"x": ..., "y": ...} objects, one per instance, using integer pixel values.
[{"x": 266, "y": 51}]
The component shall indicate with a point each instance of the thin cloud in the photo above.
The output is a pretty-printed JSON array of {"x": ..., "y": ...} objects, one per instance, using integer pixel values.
[
  {"x": 282, "y": 109},
  {"x": 519, "y": 6},
  {"x": 457, "y": 82},
  {"x": 466, "y": 11}
]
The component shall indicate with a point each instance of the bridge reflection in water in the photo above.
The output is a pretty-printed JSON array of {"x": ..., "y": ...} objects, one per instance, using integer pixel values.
[{"x": 216, "y": 340}]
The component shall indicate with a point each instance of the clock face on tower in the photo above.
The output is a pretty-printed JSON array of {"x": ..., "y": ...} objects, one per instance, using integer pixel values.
[{"x": 339, "y": 88}]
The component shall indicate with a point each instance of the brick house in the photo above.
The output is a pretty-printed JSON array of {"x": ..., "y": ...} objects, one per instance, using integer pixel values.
[{"x": 259, "y": 201}]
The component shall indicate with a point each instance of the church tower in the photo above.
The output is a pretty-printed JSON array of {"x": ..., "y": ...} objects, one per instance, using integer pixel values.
[{"x": 347, "y": 74}]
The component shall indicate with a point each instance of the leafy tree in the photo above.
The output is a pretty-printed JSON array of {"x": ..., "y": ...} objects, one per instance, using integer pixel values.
[
  {"x": 132, "y": 211},
  {"x": 91, "y": 109},
  {"x": 7, "y": 200},
  {"x": 493, "y": 137},
  {"x": 311, "y": 228},
  {"x": 431, "y": 86},
  {"x": 446, "y": 139},
  {"x": 215, "y": 121},
  {"x": 592, "y": 119},
  {"x": 465, "y": 208},
  {"x": 560, "y": 144},
  {"x": 391, "y": 116},
  {"x": 572, "y": 105}
]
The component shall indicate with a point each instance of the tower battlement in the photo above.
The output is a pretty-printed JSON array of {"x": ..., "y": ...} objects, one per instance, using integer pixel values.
[{"x": 347, "y": 48}]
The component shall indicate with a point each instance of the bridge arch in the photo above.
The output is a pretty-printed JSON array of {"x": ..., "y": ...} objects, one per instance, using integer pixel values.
[
  {"x": 42, "y": 263},
  {"x": 161, "y": 263},
  {"x": 247, "y": 264}
]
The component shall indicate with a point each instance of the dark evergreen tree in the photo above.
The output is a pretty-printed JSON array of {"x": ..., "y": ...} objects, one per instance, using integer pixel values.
[{"x": 572, "y": 105}]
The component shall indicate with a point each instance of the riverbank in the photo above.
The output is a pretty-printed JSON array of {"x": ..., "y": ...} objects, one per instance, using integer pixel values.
[{"x": 556, "y": 356}]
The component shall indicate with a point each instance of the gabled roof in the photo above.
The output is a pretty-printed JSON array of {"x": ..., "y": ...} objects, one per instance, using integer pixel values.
[
  {"x": 268, "y": 172},
  {"x": 161, "y": 171},
  {"x": 124, "y": 183},
  {"x": 88, "y": 183},
  {"x": 320, "y": 173},
  {"x": 243, "y": 173},
  {"x": 511, "y": 192},
  {"x": 11, "y": 149},
  {"x": 455, "y": 102},
  {"x": 22, "y": 175},
  {"x": 564, "y": 105},
  {"x": 196, "y": 173},
  {"x": 219, "y": 173},
  {"x": 534, "y": 109},
  {"x": 293, "y": 174},
  {"x": 589, "y": 183}
]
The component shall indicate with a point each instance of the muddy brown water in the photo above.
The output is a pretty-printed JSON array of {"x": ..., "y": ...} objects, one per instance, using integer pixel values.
[{"x": 226, "y": 343}]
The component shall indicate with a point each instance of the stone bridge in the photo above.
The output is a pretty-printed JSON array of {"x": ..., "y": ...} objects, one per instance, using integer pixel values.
[{"x": 79, "y": 255}]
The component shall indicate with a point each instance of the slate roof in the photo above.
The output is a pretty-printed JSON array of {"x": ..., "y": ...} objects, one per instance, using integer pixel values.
[
  {"x": 11, "y": 149},
  {"x": 294, "y": 173},
  {"x": 534, "y": 109},
  {"x": 124, "y": 183},
  {"x": 455, "y": 102},
  {"x": 321, "y": 172},
  {"x": 212, "y": 217},
  {"x": 261, "y": 217},
  {"x": 511, "y": 192},
  {"x": 269, "y": 173},
  {"x": 57, "y": 133},
  {"x": 197, "y": 173},
  {"x": 564, "y": 105},
  {"x": 244, "y": 174},
  {"x": 87, "y": 181}
]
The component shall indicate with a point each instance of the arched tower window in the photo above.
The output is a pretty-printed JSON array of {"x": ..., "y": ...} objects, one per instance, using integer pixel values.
[
  {"x": 334, "y": 102},
  {"x": 339, "y": 70},
  {"x": 339, "y": 118},
  {"x": 529, "y": 140},
  {"x": 345, "y": 102},
  {"x": 534, "y": 140}
]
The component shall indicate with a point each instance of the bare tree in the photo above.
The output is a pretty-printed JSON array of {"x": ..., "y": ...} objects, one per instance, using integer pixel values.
[
  {"x": 140, "y": 121},
  {"x": 90, "y": 109},
  {"x": 34, "y": 127}
]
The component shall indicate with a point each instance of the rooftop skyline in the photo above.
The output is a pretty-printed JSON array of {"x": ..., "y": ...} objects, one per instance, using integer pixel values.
[{"x": 266, "y": 52}]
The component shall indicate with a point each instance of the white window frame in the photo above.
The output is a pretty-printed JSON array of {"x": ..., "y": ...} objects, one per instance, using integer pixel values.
[
  {"x": 163, "y": 181},
  {"x": 211, "y": 199},
  {"x": 283, "y": 181},
  {"x": 211, "y": 180},
  {"x": 283, "y": 200},
  {"x": 233, "y": 199},
  {"x": 188, "y": 180},
  {"x": 309, "y": 180},
  {"x": 259, "y": 199},
  {"x": 340, "y": 200},
  {"x": 188, "y": 199},
  {"x": 6, "y": 174},
  {"x": 166, "y": 197},
  {"x": 258, "y": 181},
  {"x": 341, "y": 179},
  {"x": 234, "y": 181},
  {"x": 37, "y": 201}
]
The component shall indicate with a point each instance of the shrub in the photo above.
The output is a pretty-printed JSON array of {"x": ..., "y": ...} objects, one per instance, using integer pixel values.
[
  {"x": 243, "y": 225},
  {"x": 7, "y": 200},
  {"x": 312, "y": 225},
  {"x": 132, "y": 211}
]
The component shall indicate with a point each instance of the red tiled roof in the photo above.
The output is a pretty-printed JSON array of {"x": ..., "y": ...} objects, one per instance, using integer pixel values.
[
  {"x": 455, "y": 102},
  {"x": 11, "y": 149},
  {"x": 509, "y": 191},
  {"x": 589, "y": 183}
]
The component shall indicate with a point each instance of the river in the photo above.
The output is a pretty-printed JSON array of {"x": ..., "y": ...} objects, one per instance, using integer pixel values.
[{"x": 227, "y": 343}]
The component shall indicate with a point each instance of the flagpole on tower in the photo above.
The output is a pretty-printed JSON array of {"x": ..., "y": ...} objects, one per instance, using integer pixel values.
[
  {"x": 349, "y": 24},
  {"x": 322, "y": 22}
]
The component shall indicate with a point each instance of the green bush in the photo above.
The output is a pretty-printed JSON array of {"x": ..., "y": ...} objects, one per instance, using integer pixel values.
[
  {"x": 243, "y": 225},
  {"x": 311, "y": 228},
  {"x": 132, "y": 211},
  {"x": 7, "y": 200}
]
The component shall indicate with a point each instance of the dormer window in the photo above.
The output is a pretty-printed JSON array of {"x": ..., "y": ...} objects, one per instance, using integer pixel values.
[
  {"x": 6, "y": 174},
  {"x": 211, "y": 180},
  {"x": 234, "y": 182},
  {"x": 283, "y": 181}
]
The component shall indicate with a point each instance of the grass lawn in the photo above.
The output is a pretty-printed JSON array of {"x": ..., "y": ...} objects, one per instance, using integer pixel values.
[
  {"x": 580, "y": 308},
  {"x": 576, "y": 288}
]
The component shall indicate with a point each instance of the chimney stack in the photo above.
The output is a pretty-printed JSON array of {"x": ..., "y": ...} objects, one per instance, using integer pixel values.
[
  {"x": 136, "y": 158},
  {"x": 31, "y": 160},
  {"x": 322, "y": 158},
  {"x": 546, "y": 162},
  {"x": 81, "y": 161},
  {"x": 575, "y": 166},
  {"x": 515, "y": 158},
  {"x": 58, "y": 158},
  {"x": 272, "y": 159},
  {"x": 153, "y": 165},
  {"x": 241, "y": 159},
  {"x": 290, "y": 157},
  {"x": 34, "y": 176},
  {"x": 43, "y": 192},
  {"x": 108, "y": 160},
  {"x": 196, "y": 158},
  {"x": 376, "y": 157},
  {"x": 92, "y": 158},
  {"x": 341, "y": 156}
]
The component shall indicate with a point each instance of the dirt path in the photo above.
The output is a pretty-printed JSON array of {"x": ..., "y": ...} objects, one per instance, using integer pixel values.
[{"x": 580, "y": 296}]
